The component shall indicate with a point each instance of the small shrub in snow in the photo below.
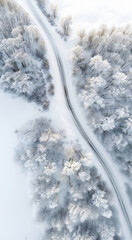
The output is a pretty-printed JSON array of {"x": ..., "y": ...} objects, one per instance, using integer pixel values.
[{"x": 65, "y": 23}]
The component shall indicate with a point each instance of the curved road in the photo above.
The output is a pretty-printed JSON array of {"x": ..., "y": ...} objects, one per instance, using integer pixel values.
[{"x": 75, "y": 118}]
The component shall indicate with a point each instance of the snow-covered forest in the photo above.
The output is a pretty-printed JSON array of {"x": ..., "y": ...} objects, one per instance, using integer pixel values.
[
  {"x": 102, "y": 66},
  {"x": 24, "y": 67},
  {"x": 69, "y": 195}
]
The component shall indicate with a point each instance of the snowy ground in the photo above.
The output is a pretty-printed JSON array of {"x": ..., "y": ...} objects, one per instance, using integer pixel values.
[
  {"x": 91, "y": 13},
  {"x": 16, "y": 220}
]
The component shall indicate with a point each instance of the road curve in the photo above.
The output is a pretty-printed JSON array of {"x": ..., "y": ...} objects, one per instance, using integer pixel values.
[{"x": 76, "y": 120}]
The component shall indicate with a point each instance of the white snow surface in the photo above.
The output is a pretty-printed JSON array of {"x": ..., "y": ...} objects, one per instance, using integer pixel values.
[
  {"x": 87, "y": 13},
  {"x": 16, "y": 220}
]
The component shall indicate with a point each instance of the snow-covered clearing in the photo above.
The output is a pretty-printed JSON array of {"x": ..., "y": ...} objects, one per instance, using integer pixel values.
[
  {"x": 16, "y": 220},
  {"x": 87, "y": 13}
]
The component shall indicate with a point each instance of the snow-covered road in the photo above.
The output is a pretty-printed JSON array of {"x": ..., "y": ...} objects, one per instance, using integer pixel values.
[{"x": 61, "y": 68}]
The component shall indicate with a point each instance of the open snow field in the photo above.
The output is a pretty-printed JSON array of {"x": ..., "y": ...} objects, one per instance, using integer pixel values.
[
  {"x": 16, "y": 220},
  {"x": 88, "y": 13}
]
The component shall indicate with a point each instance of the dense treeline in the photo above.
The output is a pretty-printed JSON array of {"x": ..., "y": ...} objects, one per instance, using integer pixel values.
[
  {"x": 102, "y": 65},
  {"x": 24, "y": 68},
  {"x": 68, "y": 193}
]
